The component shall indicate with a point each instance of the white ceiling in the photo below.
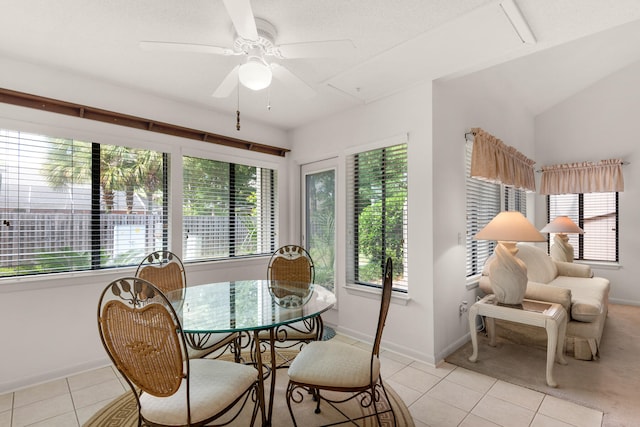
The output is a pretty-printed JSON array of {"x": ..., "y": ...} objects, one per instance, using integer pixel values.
[{"x": 399, "y": 43}]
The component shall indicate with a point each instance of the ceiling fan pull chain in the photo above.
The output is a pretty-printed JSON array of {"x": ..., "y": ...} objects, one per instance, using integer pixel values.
[{"x": 238, "y": 110}]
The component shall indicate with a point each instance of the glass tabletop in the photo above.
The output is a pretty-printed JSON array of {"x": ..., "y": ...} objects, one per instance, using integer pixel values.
[{"x": 248, "y": 305}]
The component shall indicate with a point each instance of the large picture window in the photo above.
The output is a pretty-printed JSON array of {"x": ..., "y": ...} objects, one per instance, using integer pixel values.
[
  {"x": 597, "y": 215},
  {"x": 68, "y": 205},
  {"x": 229, "y": 209},
  {"x": 377, "y": 215}
]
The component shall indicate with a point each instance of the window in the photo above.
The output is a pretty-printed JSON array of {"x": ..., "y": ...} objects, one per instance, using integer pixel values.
[
  {"x": 377, "y": 215},
  {"x": 229, "y": 209},
  {"x": 484, "y": 201},
  {"x": 69, "y": 205},
  {"x": 597, "y": 215}
]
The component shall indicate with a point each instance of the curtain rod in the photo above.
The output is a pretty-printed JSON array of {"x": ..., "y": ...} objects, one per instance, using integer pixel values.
[
  {"x": 86, "y": 112},
  {"x": 622, "y": 163}
]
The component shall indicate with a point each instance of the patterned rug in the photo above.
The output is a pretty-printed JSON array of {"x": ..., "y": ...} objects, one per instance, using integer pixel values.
[{"x": 123, "y": 412}]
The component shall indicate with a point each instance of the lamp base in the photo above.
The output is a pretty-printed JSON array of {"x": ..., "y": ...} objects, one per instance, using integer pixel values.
[
  {"x": 561, "y": 250},
  {"x": 508, "y": 275}
]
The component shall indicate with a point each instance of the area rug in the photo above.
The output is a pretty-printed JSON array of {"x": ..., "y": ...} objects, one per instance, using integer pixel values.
[
  {"x": 609, "y": 384},
  {"x": 122, "y": 412}
]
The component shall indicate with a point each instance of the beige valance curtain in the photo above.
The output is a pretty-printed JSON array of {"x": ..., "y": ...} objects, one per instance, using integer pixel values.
[
  {"x": 494, "y": 161},
  {"x": 586, "y": 177}
]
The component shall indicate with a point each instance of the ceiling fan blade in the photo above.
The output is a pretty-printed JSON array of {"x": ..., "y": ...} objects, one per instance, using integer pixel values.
[
  {"x": 242, "y": 17},
  {"x": 228, "y": 84},
  {"x": 324, "y": 49},
  {"x": 185, "y": 47},
  {"x": 292, "y": 82}
]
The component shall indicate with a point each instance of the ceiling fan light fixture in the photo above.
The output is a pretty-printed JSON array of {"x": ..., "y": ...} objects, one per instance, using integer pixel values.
[{"x": 255, "y": 74}]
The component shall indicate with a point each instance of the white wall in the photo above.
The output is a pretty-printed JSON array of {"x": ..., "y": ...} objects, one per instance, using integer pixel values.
[
  {"x": 600, "y": 123},
  {"x": 409, "y": 328},
  {"x": 479, "y": 100},
  {"x": 49, "y": 326}
]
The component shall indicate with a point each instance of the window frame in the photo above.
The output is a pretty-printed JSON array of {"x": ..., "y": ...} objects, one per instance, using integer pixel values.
[
  {"x": 93, "y": 201},
  {"x": 579, "y": 241},
  {"x": 495, "y": 198},
  {"x": 352, "y": 264}
]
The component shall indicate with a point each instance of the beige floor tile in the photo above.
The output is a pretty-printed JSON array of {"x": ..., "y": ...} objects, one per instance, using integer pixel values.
[
  {"x": 5, "y": 419},
  {"x": 442, "y": 370},
  {"x": 544, "y": 421},
  {"x": 435, "y": 413},
  {"x": 475, "y": 421},
  {"x": 502, "y": 412},
  {"x": 521, "y": 396},
  {"x": 420, "y": 424},
  {"x": 39, "y": 392},
  {"x": 42, "y": 410},
  {"x": 455, "y": 395},
  {"x": 415, "y": 379},
  {"x": 570, "y": 412},
  {"x": 388, "y": 367},
  {"x": 473, "y": 380},
  {"x": 65, "y": 420},
  {"x": 90, "y": 378},
  {"x": 96, "y": 393},
  {"x": 6, "y": 402},
  {"x": 407, "y": 394},
  {"x": 386, "y": 354}
]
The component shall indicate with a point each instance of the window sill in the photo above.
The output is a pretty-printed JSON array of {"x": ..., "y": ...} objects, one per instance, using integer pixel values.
[
  {"x": 399, "y": 298},
  {"x": 601, "y": 265}
]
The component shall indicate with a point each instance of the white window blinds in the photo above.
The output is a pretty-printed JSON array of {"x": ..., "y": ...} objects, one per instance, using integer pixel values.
[
  {"x": 377, "y": 215},
  {"x": 229, "y": 209},
  {"x": 483, "y": 203},
  {"x": 597, "y": 215},
  {"x": 69, "y": 205}
]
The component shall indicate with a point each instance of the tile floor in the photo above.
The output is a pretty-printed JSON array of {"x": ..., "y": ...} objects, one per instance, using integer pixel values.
[{"x": 443, "y": 396}]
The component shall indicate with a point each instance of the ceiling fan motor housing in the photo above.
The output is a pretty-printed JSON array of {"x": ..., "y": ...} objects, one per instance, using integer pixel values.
[{"x": 265, "y": 42}]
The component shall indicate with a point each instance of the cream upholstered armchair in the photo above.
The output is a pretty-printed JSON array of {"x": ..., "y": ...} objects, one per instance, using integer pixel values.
[{"x": 141, "y": 332}]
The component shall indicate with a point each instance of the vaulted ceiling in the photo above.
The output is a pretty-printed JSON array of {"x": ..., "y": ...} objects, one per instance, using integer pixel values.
[{"x": 397, "y": 44}]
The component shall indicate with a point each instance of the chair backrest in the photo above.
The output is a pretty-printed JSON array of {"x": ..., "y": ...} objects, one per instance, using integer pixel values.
[
  {"x": 142, "y": 335},
  {"x": 164, "y": 269},
  {"x": 387, "y": 286},
  {"x": 291, "y": 263}
]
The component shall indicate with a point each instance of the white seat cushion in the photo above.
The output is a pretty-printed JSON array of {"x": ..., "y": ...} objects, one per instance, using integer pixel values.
[
  {"x": 333, "y": 364},
  {"x": 214, "y": 384}
]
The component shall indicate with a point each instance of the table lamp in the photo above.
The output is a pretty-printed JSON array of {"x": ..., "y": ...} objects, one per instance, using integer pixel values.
[
  {"x": 561, "y": 250},
  {"x": 508, "y": 274}
]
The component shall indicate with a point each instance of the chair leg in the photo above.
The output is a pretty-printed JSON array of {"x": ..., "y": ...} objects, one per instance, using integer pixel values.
[
  {"x": 386, "y": 396},
  {"x": 289, "y": 392},
  {"x": 318, "y": 399}
]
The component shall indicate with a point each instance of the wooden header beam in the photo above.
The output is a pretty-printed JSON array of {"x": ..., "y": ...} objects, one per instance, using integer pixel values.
[{"x": 61, "y": 107}]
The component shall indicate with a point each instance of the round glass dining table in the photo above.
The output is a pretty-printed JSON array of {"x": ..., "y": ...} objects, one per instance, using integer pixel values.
[{"x": 249, "y": 306}]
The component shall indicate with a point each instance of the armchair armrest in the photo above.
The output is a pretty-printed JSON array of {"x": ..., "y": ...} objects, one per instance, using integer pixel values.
[{"x": 573, "y": 270}]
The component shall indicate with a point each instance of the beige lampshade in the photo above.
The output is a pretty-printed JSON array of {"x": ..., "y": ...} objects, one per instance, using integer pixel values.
[
  {"x": 562, "y": 224},
  {"x": 510, "y": 226}
]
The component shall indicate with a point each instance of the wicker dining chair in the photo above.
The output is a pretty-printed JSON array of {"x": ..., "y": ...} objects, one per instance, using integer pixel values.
[
  {"x": 166, "y": 271},
  {"x": 292, "y": 264},
  {"x": 141, "y": 332},
  {"x": 336, "y": 366}
]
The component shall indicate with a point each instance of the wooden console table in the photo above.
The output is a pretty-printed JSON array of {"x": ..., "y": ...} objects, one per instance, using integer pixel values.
[{"x": 546, "y": 315}]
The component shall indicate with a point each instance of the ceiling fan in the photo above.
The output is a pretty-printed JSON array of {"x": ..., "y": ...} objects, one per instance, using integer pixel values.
[{"x": 255, "y": 39}]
